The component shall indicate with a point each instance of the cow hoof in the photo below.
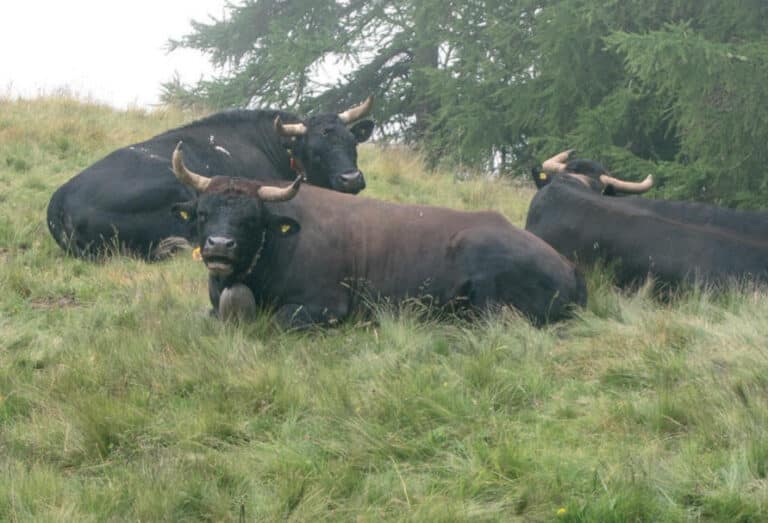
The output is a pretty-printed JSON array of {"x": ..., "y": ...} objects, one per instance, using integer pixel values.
[{"x": 237, "y": 303}]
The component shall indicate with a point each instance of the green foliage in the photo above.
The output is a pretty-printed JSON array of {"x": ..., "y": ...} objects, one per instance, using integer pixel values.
[
  {"x": 713, "y": 96},
  {"x": 277, "y": 53},
  {"x": 670, "y": 87}
]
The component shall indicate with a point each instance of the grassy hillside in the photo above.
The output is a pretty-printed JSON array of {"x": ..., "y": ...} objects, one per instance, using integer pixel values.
[{"x": 121, "y": 400}]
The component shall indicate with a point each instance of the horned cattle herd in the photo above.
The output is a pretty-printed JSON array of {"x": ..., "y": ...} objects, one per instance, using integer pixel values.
[{"x": 270, "y": 199}]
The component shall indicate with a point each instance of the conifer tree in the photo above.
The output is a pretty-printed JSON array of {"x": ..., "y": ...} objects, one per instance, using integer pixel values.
[{"x": 673, "y": 87}]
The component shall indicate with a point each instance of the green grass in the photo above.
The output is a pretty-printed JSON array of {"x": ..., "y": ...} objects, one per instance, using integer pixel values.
[{"x": 121, "y": 400}]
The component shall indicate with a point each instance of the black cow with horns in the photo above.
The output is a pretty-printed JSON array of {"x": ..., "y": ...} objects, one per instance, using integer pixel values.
[
  {"x": 577, "y": 211},
  {"x": 320, "y": 255},
  {"x": 125, "y": 199}
]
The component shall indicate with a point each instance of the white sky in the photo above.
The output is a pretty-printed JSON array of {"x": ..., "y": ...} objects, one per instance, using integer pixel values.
[{"x": 110, "y": 51}]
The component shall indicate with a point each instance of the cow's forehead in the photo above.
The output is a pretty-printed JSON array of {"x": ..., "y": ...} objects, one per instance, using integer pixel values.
[
  {"x": 226, "y": 184},
  {"x": 228, "y": 199},
  {"x": 587, "y": 167},
  {"x": 325, "y": 119}
]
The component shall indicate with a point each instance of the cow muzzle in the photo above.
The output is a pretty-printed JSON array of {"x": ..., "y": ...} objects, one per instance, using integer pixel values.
[
  {"x": 219, "y": 255},
  {"x": 350, "y": 182}
]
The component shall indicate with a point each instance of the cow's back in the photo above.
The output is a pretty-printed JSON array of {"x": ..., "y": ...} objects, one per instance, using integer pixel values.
[
  {"x": 750, "y": 224},
  {"x": 642, "y": 237}
]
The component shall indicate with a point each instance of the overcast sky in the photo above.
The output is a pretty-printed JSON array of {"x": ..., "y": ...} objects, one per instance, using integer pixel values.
[{"x": 111, "y": 51}]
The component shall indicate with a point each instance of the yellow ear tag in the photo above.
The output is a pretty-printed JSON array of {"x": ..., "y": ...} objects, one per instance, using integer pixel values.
[
  {"x": 184, "y": 215},
  {"x": 285, "y": 228},
  {"x": 542, "y": 175},
  {"x": 196, "y": 254}
]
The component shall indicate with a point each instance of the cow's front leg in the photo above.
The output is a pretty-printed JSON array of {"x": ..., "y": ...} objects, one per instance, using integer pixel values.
[{"x": 237, "y": 303}]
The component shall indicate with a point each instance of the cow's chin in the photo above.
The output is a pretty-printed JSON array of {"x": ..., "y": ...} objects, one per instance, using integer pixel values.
[{"x": 219, "y": 267}]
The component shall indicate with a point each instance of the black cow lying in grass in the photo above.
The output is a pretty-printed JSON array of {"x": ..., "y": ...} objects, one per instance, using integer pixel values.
[
  {"x": 576, "y": 212},
  {"x": 125, "y": 198},
  {"x": 321, "y": 255}
]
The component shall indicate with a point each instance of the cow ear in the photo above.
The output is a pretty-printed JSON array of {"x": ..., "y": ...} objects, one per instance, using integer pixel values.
[
  {"x": 184, "y": 211},
  {"x": 362, "y": 130},
  {"x": 284, "y": 226},
  {"x": 609, "y": 190},
  {"x": 540, "y": 178}
]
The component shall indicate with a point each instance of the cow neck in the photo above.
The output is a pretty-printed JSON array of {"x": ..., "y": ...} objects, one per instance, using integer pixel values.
[
  {"x": 255, "y": 259},
  {"x": 261, "y": 272}
]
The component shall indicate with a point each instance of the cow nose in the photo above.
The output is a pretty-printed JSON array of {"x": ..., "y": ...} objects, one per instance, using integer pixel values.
[
  {"x": 220, "y": 242},
  {"x": 351, "y": 176},
  {"x": 353, "y": 181}
]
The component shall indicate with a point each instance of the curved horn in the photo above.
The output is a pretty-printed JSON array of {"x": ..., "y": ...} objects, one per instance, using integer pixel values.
[
  {"x": 289, "y": 129},
  {"x": 556, "y": 164},
  {"x": 355, "y": 113},
  {"x": 184, "y": 175},
  {"x": 628, "y": 187},
  {"x": 279, "y": 194}
]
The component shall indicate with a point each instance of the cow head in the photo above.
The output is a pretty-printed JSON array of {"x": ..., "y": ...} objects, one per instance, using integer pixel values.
[
  {"x": 231, "y": 219},
  {"x": 326, "y": 146},
  {"x": 585, "y": 173}
]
